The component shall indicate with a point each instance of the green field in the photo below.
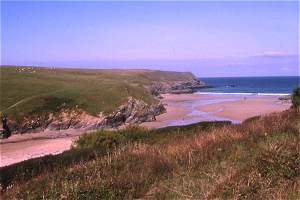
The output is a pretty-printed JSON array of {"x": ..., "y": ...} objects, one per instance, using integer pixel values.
[
  {"x": 27, "y": 91},
  {"x": 258, "y": 159}
]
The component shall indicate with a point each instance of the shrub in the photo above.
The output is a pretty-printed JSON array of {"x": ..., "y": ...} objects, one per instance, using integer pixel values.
[
  {"x": 296, "y": 97},
  {"x": 90, "y": 146},
  {"x": 108, "y": 139},
  {"x": 254, "y": 160}
]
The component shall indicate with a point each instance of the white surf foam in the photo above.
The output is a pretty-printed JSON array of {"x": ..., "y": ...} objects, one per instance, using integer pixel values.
[{"x": 244, "y": 93}]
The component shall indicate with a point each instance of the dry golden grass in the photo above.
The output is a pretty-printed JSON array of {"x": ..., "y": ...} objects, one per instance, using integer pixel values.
[{"x": 259, "y": 159}]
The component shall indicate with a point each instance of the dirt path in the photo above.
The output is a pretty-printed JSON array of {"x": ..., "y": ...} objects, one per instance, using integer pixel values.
[{"x": 29, "y": 98}]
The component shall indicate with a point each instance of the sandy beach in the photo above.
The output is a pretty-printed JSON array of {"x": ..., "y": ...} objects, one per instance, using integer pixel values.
[
  {"x": 248, "y": 106},
  {"x": 181, "y": 109},
  {"x": 191, "y": 108},
  {"x": 21, "y": 147}
]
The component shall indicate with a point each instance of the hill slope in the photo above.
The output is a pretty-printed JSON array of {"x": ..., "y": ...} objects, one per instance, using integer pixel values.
[
  {"x": 258, "y": 159},
  {"x": 94, "y": 90},
  {"x": 29, "y": 93}
]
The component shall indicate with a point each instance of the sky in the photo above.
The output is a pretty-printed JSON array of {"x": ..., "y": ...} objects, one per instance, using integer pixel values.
[{"x": 208, "y": 38}]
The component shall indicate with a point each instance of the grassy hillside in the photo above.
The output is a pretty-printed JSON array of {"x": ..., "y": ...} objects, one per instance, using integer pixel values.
[
  {"x": 33, "y": 91},
  {"x": 259, "y": 159}
]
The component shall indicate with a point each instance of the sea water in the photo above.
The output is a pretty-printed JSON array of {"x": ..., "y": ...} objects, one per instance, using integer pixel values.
[
  {"x": 240, "y": 87},
  {"x": 251, "y": 85}
]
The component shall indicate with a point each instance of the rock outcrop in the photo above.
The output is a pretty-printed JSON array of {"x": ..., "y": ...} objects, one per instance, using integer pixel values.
[
  {"x": 132, "y": 112},
  {"x": 74, "y": 119},
  {"x": 187, "y": 86},
  {"x": 5, "y": 131},
  {"x": 177, "y": 87}
]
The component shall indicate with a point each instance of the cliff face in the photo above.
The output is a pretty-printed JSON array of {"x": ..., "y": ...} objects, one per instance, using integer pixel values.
[
  {"x": 94, "y": 92},
  {"x": 132, "y": 112},
  {"x": 177, "y": 87}
]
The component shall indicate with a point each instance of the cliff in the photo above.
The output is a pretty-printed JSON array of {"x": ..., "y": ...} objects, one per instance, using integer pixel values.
[
  {"x": 34, "y": 99},
  {"x": 177, "y": 87}
]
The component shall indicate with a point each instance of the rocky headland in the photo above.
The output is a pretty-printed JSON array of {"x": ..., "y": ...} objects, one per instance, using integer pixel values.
[
  {"x": 178, "y": 87},
  {"x": 134, "y": 111}
]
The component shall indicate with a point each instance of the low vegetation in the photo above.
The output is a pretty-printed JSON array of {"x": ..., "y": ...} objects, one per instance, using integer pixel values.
[
  {"x": 258, "y": 159},
  {"x": 296, "y": 98},
  {"x": 102, "y": 142}
]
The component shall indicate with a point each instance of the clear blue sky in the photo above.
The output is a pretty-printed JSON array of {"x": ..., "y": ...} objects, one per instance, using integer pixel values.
[{"x": 207, "y": 38}]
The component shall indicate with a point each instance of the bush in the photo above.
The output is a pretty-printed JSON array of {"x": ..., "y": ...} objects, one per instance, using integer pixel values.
[
  {"x": 27, "y": 169},
  {"x": 296, "y": 97},
  {"x": 109, "y": 139},
  {"x": 90, "y": 146}
]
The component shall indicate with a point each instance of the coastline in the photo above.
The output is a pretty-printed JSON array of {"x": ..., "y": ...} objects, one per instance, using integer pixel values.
[
  {"x": 211, "y": 106},
  {"x": 248, "y": 106},
  {"x": 181, "y": 109}
]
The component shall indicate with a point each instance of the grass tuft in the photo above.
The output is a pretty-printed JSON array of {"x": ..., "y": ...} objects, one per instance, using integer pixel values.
[{"x": 258, "y": 159}]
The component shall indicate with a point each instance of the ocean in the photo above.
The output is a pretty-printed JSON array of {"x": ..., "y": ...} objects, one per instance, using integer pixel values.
[{"x": 251, "y": 85}]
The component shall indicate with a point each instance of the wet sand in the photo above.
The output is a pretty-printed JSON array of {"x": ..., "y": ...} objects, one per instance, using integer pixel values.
[
  {"x": 182, "y": 109},
  {"x": 249, "y": 106},
  {"x": 192, "y": 108}
]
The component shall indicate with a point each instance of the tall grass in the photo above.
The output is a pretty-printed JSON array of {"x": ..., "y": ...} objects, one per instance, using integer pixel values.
[
  {"x": 296, "y": 98},
  {"x": 258, "y": 159},
  {"x": 91, "y": 146}
]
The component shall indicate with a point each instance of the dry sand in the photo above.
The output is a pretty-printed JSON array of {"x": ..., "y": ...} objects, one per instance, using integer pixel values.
[
  {"x": 249, "y": 106},
  {"x": 190, "y": 108},
  {"x": 172, "y": 113},
  {"x": 181, "y": 109},
  {"x": 21, "y": 147}
]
